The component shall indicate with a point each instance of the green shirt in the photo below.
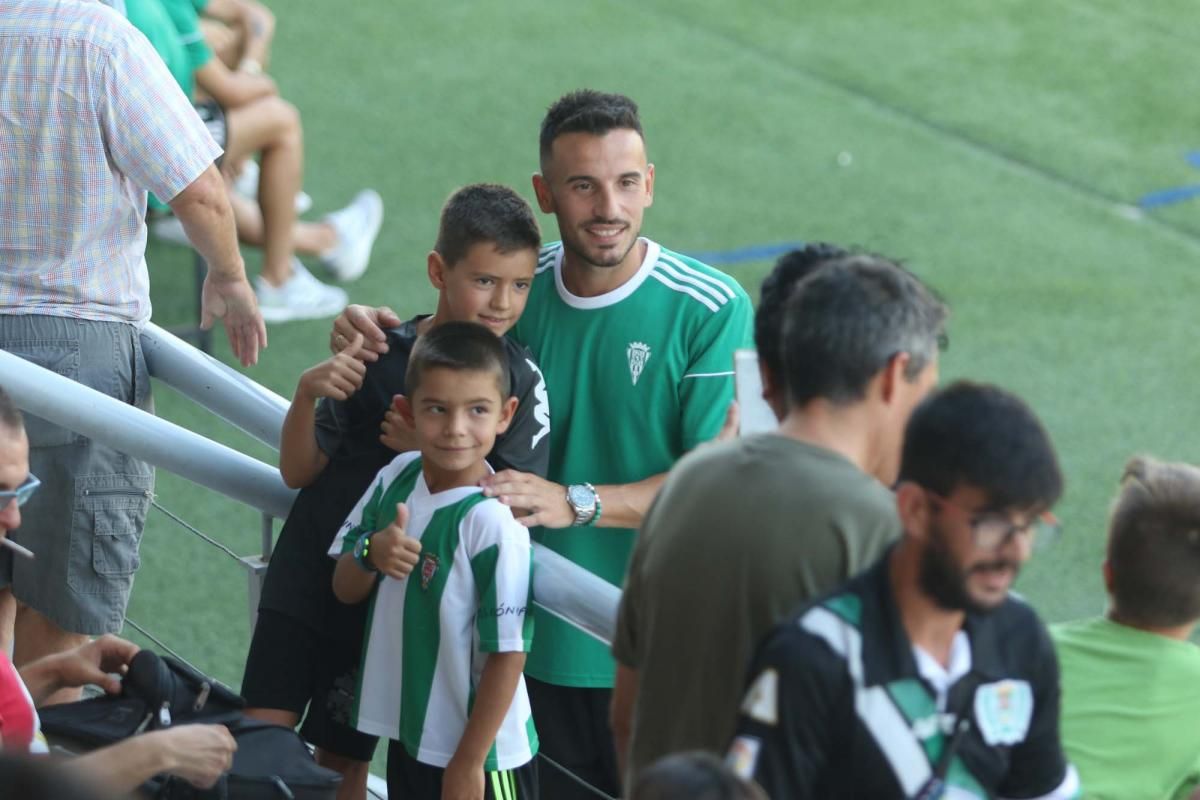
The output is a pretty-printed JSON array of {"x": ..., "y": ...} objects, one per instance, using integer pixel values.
[
  {"x": 173, "y": 30},
  {"x": 1131, "y": 710},
  {"x": 636, "y": 378}
]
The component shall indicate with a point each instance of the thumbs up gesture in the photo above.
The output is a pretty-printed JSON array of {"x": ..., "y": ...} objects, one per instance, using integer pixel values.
[
  {"x": 337, "y": 377},
  {"x": 393, "y": 552}
]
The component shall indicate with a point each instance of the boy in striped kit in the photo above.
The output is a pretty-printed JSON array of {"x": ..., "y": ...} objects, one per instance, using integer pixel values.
[{"x": 447, "y": 574}]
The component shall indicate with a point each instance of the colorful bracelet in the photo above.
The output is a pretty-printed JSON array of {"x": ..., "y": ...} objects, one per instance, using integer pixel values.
[{"x": 596, "y": 516}]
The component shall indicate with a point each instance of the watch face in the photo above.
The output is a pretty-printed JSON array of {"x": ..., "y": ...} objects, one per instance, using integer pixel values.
[{"x": 581, "y": 496}]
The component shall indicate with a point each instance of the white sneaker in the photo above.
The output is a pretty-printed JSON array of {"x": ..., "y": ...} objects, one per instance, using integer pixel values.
[
  {"x": 246, "y": 185},
  {"x": 170, "y": 229},
  {"x": 356, "y": 225},
  {"x": 302, "y": 297}
]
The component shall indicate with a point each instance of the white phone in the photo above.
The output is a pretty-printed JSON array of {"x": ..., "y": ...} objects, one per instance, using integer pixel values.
[{"x": 756, "y": 415}]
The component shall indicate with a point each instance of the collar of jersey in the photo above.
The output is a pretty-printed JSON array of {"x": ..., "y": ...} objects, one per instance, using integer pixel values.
[
  {"x": 616, "y": 295},
  {"x": 447, "y": 497}
]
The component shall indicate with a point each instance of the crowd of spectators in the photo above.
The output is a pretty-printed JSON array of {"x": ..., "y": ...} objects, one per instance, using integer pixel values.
[{"x": 823, "y": 610}]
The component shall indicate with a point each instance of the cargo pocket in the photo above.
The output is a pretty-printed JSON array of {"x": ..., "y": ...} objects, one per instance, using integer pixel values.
[
  {"x": 110, "y": 515},
  {"x": 60, "y": 356}
]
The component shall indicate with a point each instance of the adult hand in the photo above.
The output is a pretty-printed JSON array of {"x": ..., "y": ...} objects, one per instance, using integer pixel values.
[
  {"x": 233, "y": 302},
  {"x": 199, "y": 754},
  {"x": 393, "y": 552},
  {"x": 462, "y": 781},
  {"x": 337, "y": 377},
  {"x": 543, "y": 502},
  {"x": 395, "y": 432},
  {"x": 94, "y": 663},
  {"x": 368, "y": 321}
]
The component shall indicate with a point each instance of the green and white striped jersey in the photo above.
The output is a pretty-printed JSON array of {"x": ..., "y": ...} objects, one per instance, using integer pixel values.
[{"x": 428, "y": 635}]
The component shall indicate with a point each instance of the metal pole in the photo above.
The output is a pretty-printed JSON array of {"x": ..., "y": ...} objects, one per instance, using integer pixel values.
[
  {"x": 571, "y": 593},
  {"x": 221, "y": 389},
  {"x": 130, "y": 430}
]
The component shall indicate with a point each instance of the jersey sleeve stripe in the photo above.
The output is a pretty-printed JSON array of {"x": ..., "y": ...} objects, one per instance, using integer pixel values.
[
  {"x": 692, "y": 281},
  {"x": 708, "y": 374},
  {"x": 695, "y": 295},
  {"x": 680, "y": 265}
]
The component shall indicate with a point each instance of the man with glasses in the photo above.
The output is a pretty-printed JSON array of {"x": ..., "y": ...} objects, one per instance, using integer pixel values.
[
  {"x": 196, "y": 753},
  {"x": 924, "y": 677}
]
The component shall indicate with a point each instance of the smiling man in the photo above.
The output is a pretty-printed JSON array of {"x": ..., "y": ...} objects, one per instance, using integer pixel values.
[
  {"x": 636, "y": 343},
  {"x": 924, "y": 677}
]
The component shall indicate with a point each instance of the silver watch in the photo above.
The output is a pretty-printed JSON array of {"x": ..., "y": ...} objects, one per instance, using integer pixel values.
[{"x": 582, "y": 499}]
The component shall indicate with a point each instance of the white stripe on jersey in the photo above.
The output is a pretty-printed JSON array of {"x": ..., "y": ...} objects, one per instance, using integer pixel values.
[
  {"x": 692, "y": 281},
  {"x": 688, "y": 290},
  {"x": 707, "y": 375},
  {"x": 697, "y": 275}
]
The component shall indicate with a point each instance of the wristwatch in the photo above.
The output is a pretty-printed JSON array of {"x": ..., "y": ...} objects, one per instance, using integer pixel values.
[
  {"x": 583, "y": 501},
  {"x": 361, "y": 548}
]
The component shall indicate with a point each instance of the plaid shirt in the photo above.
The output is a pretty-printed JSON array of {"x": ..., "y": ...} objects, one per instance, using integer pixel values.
[{"x": 90, "y": 120}]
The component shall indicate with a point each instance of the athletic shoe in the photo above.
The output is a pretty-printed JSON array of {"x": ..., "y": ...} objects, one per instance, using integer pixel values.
[
  {"x": 170, "y": 229},
  {"x": 302, "y": 297},
  {"x": 246, "y": 185},
  {"x": 356, "y": 225}
]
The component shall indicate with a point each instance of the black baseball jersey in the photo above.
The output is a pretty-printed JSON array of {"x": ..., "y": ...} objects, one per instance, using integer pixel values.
[
  {"x": 837, "y": 707},
  {"x": 299, "y": 580}
]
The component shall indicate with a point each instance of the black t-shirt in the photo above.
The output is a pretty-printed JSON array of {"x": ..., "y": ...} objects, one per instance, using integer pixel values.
[
  {"x": 299, "y": 581},
  {"x": 837, "y": 708}
]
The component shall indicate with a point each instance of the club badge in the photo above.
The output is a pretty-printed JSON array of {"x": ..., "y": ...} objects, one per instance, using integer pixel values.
[
  {"x": 1003, "y": 711},
  {"x": 429, "y": 568}
]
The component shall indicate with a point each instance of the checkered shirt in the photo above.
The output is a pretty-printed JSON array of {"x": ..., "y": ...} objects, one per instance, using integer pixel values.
[{"x": 90, "y": 119}]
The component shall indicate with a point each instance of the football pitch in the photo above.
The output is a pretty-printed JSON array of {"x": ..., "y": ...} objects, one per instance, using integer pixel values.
[{"x": 1001, "y": 150}]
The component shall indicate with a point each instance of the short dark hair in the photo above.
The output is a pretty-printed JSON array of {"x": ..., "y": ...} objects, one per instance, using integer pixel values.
[
  {"x": 10, "y": 415},
  {"x": 777, "y": 287},
  {"x": 847, "y": 320},
  {"x": 459, "y": 346},
  {"x": 587, "y": 111},
  {"x": 985, "y": 437},
  {"x": 1154, "y": 544},
  {"x": 692, "y": 776},
  {"x": 486, "y": 212}
]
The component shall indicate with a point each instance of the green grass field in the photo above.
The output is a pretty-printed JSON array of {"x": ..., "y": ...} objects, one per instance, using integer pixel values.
[{"x": 994, "y": 147}]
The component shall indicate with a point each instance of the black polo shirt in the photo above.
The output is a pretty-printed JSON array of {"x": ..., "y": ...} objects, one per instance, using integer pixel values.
[
  {"x": 299, "y": 581},
  {"x": 837, "y": 708}
]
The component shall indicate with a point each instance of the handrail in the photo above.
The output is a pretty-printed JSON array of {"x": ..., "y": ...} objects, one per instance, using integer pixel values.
[
  {"x": 164, "y": 444},
  {"x": 221, "y": 389},
  {"x": 559, "y": 586}
]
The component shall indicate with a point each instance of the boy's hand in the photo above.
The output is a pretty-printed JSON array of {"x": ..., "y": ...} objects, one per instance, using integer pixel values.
[
  {"x": 462, "y": 781},
  {"x": 393, "y": 552},
  {"x": 396, "y": 433},
  {"x": 337, "y": 377}
]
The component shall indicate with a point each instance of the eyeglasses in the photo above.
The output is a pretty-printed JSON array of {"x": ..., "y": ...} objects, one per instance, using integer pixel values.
[
  {"x": 21, "y": 493},
  {"x": 991, "y": 530}
]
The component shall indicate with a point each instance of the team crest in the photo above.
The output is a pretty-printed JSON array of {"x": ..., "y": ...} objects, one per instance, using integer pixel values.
[
  {"x": 638, "y": 354},
  {"x": 1003, "y": 711},
  {"x": 429, "y": 568}
]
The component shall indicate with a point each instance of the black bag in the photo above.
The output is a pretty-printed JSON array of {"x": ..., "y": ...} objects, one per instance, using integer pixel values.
[{"x": 272, "y": 762}]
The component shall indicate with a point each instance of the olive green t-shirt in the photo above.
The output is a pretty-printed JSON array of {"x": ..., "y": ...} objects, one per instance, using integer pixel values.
[
  {"x": 740, "y": 535},
  {"x": 1130, "y": 710}
]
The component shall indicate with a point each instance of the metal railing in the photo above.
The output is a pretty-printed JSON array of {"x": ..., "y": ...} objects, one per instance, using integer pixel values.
[{"x": 560, "y": 587}]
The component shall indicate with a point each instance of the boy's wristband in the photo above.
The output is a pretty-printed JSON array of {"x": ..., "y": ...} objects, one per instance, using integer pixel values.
[{"x": 361, "y": 549}]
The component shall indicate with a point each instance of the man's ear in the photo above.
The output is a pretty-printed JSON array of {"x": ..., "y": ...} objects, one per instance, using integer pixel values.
[
  {"x": 541, "y": 188},
  {"x": 404, "y": 408},
  {"x": 912, "y": 507},
  {"x": 435, "y": 265},
  {"x": 1106, "y": 570},
  {"x": 892, "y": 375},
  {"x": 649, "y": 185},
  {"x": 506, "y": 414}
]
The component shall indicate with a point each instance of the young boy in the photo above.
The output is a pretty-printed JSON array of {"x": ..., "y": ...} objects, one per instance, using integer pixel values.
[
  {"x": 1129, "y": 700},
  {"x": 306, "y": 645},
  {"x": 447, "y": 571}
]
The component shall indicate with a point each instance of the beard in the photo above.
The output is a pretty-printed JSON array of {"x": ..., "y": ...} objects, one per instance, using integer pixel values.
[
  {"x": 604, "y": 259},
  {"x": 945, "y": 582}
]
